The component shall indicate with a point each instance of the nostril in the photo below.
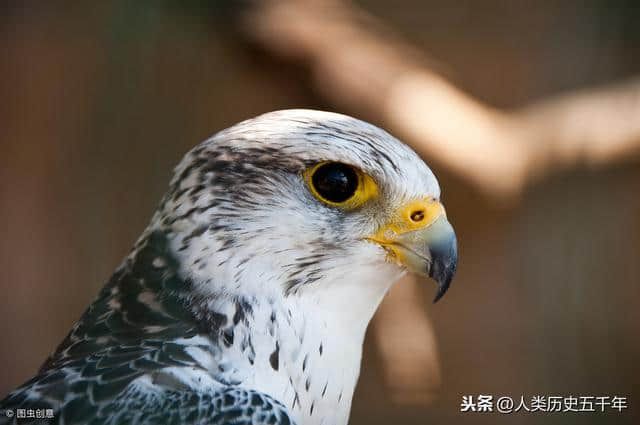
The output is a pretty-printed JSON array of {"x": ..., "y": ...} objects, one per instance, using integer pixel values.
[{"x": 417, "y": 216}]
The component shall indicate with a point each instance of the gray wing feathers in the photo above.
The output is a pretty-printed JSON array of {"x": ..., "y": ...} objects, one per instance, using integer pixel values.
[{"x": 232, "y": 406}]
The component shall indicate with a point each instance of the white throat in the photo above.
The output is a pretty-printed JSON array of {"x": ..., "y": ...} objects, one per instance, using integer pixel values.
[
  {"x": 319, "y": 335},
  {"x": 303, "y": 349}
]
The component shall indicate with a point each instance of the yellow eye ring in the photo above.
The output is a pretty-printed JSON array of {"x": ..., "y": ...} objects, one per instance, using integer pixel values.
[{"x": 340, "y": 185}]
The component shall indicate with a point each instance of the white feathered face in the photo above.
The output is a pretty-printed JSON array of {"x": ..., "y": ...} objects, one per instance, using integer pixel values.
[{"x": 299, "y": 199}]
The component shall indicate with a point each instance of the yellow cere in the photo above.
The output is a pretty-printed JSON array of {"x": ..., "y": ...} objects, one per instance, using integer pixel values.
[
  {"x": 414, "y": 215},
  {"x": 366, "y": 190}
]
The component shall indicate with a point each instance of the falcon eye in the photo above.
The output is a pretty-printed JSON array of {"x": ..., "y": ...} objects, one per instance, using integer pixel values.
[
  {"x": 335, "y": 182},
  {"x": 340, "y": 185}
]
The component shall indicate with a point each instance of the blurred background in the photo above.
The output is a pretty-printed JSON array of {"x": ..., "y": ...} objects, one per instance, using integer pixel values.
[{"x": 101, "y": 99}]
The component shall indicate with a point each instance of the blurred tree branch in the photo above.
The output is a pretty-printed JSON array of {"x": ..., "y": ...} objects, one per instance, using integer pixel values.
[{"x": 359, "y": 66}]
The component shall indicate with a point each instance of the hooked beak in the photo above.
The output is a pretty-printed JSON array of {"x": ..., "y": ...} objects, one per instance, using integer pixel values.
[{"x": 420, "y": 238}]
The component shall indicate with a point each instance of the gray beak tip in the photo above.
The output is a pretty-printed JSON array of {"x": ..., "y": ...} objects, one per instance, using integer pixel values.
[
  {"x": 444, "y": 282},
  {"x": 444, "y": 260}
]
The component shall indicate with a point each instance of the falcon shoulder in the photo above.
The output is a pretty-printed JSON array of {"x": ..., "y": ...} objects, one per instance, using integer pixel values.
[{"x": 135, "y": 358}]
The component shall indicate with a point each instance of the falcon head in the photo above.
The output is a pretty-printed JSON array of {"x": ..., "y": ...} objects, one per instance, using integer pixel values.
[{"x": 295, "y": 202}]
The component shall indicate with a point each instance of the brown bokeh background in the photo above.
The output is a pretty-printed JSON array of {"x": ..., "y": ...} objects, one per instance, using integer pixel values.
[{"x": 101, "y": 99}]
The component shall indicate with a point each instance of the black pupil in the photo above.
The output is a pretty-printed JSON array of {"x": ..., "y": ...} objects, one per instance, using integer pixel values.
[{"x": 335, "y": 182}]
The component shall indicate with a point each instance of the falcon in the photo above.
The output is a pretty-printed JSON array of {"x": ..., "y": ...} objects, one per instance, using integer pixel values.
[{"x": 246, "y": 299}]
